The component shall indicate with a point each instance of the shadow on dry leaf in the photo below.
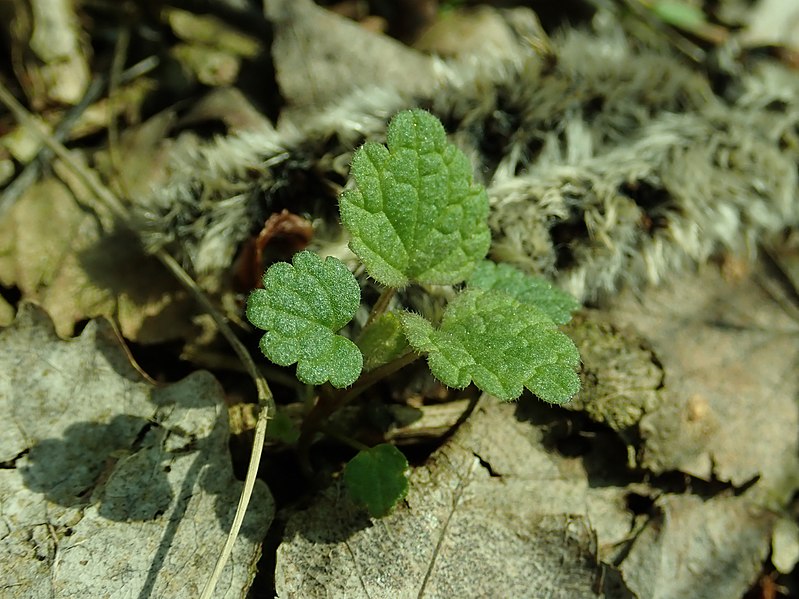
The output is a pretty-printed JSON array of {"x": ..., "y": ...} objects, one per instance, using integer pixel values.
[
  {"x": 68, "y": 258},
  {"x": 490, "y": 514},
  {"x": 112, "y": 482},
  {"x": 67, "y": 468},
  {"x": 150, "y": 306}
]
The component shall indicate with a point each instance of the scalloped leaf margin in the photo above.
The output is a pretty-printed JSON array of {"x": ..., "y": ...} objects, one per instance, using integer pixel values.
[
  {"x": 528, "y": 289},
  {"x": 500, "y": 344},
  {"x": 301, "y": 307},
  {"x": 415, "y": 214}
]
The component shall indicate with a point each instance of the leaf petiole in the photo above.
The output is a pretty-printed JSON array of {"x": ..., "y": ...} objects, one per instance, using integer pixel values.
[
  {"x": 328, "y": 403},
  {"x": 381, "y": 305}
]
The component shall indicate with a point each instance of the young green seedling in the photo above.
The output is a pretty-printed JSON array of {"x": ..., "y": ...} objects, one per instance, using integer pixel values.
[{"x": 416, "y": 217}]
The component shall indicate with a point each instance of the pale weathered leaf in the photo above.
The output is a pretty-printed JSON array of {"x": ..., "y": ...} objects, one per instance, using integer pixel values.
[
  {"x": 772, "y": 23},
  {"x": 113, "y": 486},
  {"x": 6, "y": 313},
  {"x": 53, "y": 53},
  {"x": 700, "y": 549},
  {"x": 785, "y": 546},
  {"x": 492, "y": 514},
  {"x": 316, "y": 70},
  {"x": 728, "y": 409}
]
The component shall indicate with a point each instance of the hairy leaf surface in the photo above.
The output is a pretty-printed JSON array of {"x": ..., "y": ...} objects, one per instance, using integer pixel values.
[
  {"x": 382, "y": 341},
  {"x": 415, "y": 215},
  {"x": 501, "y": 344},
  {"x": 301, "y": 307},
  {"x": 528, "y": 289}
]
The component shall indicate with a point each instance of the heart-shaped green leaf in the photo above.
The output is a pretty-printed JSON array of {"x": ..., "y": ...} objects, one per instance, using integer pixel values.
[
  {"x": 377, "y": 478},
  {"x": 301, "y": 307},
  {"x": 501, "y": 344},
  {"x": 415, "y": 215}
]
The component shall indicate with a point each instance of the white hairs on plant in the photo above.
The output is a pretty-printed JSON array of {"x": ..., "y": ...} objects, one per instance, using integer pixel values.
[{"x": 606, "y": 164}]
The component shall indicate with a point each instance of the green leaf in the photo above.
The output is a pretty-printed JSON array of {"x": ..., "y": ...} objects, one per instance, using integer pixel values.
[
  {"x": 499, "y": 343},
  {"x": 282, "y": 428},
  {"x": 528, "y": 289},
  {"x": 382, "y": 341},
  {"x": 680, "y": 14},
  {"x": 415, "y": 215},
  {"x": 301, "y": 307},
  {"x": 377, "y": 478}
]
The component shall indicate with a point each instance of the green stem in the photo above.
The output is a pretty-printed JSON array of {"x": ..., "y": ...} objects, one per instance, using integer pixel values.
[
  {"x": 326, "y": 404},
  {"x": 345, "y": 439},
  {"x": 381, "y": 305},
  {"x": 375, "y": 376},
  {"x": 313, "y": 421}
]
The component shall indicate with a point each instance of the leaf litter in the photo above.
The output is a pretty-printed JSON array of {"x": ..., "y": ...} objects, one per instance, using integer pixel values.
[
  {"x": 461, "y": 532},
  {"x": 669, "y": 383},
  {"x": 729, "y": 354},
  {"x": 495, "y": 504}
]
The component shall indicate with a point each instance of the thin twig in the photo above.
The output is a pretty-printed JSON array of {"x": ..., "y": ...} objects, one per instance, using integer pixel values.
[
  {"x": 101, "y": 192},
  {"x": 265, "y": 399},
  {"x": 114, "y": 76},
  {"x": 33, "y": 169}
]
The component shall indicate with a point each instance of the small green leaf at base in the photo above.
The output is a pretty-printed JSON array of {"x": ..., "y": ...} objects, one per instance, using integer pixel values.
[
  {"x": 500, "y": 344},
  {"x": 301, "y": 307},
  {"x": 415, "y": 214},
  {"x": 282, "y": 428},
  {"x": 377, "y": 478}
]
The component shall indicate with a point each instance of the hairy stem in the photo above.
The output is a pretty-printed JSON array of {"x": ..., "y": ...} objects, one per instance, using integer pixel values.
[
  {"x": 326, "y": 405},
  {"x": 375, "y": 376},
  {"x": 381, "y": 305}
]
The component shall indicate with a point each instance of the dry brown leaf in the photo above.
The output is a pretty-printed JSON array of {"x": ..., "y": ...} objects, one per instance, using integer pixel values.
[
  {"x": 729, "y": 355},
  {"x": 211, "y": 50},
  {"x": 711, "y": 549},
  {"x": 321, "y": 57},
  {"x": 56, "y": 252},
  {"x": 482, "y": 30},
  {"x": 49, "y": 50},
  {"x": 6, "y": 312},
  {"x": 772, "y": 23},
  {"x": 230, "y": 106},
  {"x": 141, "y": 158}
]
